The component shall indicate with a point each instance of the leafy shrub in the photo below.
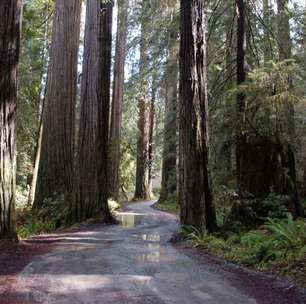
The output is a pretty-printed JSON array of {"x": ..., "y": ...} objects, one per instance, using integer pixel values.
[
  {"x": 48, "y": 218},
  {"x": 279, "y": 245},
  {"x": 54, "y": 210},
  {"x": 274, "y": 205},
  {"x": 248, "y": 212},
  {"x": 28, "y": 224}
]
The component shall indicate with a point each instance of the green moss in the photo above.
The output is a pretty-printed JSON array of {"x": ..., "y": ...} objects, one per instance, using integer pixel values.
[{"x": 170, "y": 206}]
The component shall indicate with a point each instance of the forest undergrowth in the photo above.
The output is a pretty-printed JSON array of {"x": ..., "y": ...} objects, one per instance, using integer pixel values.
[{"x": 277, "y": 245}]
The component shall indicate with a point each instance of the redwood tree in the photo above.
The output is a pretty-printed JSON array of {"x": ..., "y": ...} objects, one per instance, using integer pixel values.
[
  {"x": 117, "y": 102},
  {"x": 169, "y": 174},
  {"x": 91, "y": 176},
  {"x": 195, "y": 195},
  {"x": 241, "y": 76},
  {"x": 142, "y": 188},
  {"x": 55, "y": 176},
  {"x": 10, "y": 15},
  {"x": 287, "y": 121}
]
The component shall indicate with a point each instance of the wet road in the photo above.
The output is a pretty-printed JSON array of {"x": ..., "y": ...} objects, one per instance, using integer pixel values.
[{"x": 127, "y": 264}]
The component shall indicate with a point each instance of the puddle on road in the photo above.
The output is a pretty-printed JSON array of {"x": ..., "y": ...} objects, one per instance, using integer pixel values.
[
  {"x": 153, "y": 257},
  {"x": 129, "y": 220},
  {"x": 151, "y": 237}
]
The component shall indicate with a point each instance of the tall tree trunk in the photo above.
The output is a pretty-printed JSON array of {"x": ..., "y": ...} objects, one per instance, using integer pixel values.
[
  {"x": 169, "y": 170},
  {"x": 117, "y": 103},
  {"x": 55, "y": 176},
  {"x": 285, "y": 52},
  {"x": 91, "y": 176},
  {"x": 32, "y": 190},
  {"x": 241, "y": 76},
  {"x": 142, "y": 187},
  {"x": 196, "y": 200},
  {"x": 287, "y": 122},
  {"x": 267, "y": 11},
  {"x": 104, "y": 105},
  {"x": 152, "y": 127},
  {"x": 41, "y": 101},
  {"x": 10, "y": 17}
]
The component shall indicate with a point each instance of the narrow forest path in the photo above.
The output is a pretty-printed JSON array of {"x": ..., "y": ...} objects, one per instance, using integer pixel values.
[{"x": 127, "y": 264}]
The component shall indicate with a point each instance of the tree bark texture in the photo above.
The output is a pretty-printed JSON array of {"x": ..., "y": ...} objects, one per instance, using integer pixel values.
[
  {"x": 152, "y": 127},
  {"x": 287, "y": 124},
  {"x": 117, "y": 100},
  {"x": 55, "y": 176},
  {"x": 106, "y": 26},
  {"x": 267, "y": 15},
  {"x": 287, "y": 119},
  {"x": 241, "y": 76},
  {"x": 196, "y": 197},
  {"x": 91, "y": 176},
  {"x": 142, "y": 187},
  {"x": 10, "y": 22},
  {"x": 169, "y": 168}
]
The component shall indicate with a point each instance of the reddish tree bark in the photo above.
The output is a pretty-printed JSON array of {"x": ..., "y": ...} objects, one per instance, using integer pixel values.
[
  {"x": 241, "y": 76},
  {"x": 169, "y": 174},
  {"x": 55, "y": 175},
  {"x": 117, "y": 103},
  {"x": 10, "y": 17},
  {"x": 91, "y": 176},
  {"x": 142, "y": 187},
  {"x": 196, "y": 197},
  {"x": 151, "y": 132}
]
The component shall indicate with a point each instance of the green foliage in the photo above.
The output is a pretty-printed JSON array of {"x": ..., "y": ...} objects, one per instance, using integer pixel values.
[
  {"x": 239, "y": 213},
  {"x": 267, "y": 90},
  {"x": 21, "y": 197},
  {"x": 28, "y": 224},
  {"x": 55, "y": 211},
  {"x": 224, "y": 198},
  {"x": 170, "y": 205},
  {"x": 36, "y": 35},
  {"x": 48, "y": 218},
  {"x": 274, "y": 205},
  {"x": 277, "y": 246}
]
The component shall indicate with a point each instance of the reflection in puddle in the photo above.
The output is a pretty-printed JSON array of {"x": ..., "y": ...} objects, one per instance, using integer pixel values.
[
  {"x": 129, "y": 220},
  {"x": 153, "y": 257},
  {"x": 154, "y": 246},
  {"x": 151, "y": 237}
]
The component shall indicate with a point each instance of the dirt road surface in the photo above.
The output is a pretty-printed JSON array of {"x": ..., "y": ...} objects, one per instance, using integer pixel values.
[{"x": 131, "y": 263}]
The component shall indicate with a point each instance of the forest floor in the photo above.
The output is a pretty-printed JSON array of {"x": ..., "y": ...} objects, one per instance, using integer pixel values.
[{"x": 131, "y": 263}]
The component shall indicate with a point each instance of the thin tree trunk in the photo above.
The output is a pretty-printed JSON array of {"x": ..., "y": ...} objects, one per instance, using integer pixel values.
[
  {"x": 55, "y": 175},
  {"x": 152, "y": 127},
  {"x": 169, "y": 170},
  {"x": 117, "y": 103},
  {"x": 241, "y": 76},
  {"x": 91, "y": 176},
  {"x": 142, "y": 188},
  {"x": 10, "y": 22},
  {"x": 267, "y": 24},
  {"x": 196, "y": 200},
  {"x": 41, "y": 101},
  {"x": 32, "y": 191}
]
